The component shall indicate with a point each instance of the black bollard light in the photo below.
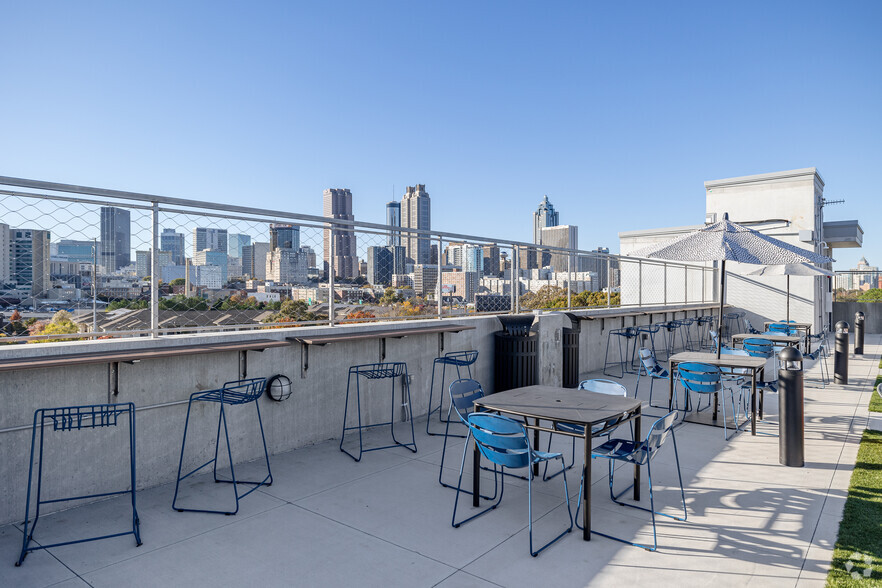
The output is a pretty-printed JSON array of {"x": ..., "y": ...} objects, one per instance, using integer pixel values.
[
  {"x": 859, "y": 319},
  {"x": 840, "y": 355},
  {"x": 791, "y": 411}
]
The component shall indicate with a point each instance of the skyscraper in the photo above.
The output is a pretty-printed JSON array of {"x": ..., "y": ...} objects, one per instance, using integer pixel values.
[
  {"x": 393, "y": 219},
  {"x": 284, "y": 236},
  {"x": 254, "y": 260},
  {"x": 173, "y": 242},
  {"x": 29, "y": 259},
  {"x": 338, "y": 205},
  {"x": 416, "y": 213},
  {"x": 565, "y": 236},
  {"x": 491, "y": 260},
  {"x": 211, "y": 239},
  {"x": 545, "y": 216},
  {"x": 379, "y": 266},
  {"x": 235, "y": 243},
  {"x": 116, "y": 238},
  {"x": 4, "y": 254},
  {"x": 216, "y": 258}
]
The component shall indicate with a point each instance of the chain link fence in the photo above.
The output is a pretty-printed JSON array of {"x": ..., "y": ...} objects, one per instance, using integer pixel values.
[{"x": 81, "y": 263}]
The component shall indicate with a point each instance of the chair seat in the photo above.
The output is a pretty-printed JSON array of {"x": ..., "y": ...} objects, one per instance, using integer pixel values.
[
  {"x": 225, "y": 396},
  {"x": 617, "y": 449},
  {"x": 540, "y": 456}
]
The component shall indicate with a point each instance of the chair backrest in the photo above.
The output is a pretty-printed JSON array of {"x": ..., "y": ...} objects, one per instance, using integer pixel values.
[
  {"x": 759, "y": 347},
  {"x": 462, "y": 358},
  {"x": 500, "y": 439},
  {"x": 650, "y": 363},
  {"x": 779, "y": 328},
  {"x": 714, "y": 335},
  {"x": 734, "y": 371},
  {"x": 658, "y": 433},
  {"x": 700, "y": 377},
  {"x": 463, "y": 394},
  {"x": 603, "y": 387},
  {"x": 242, "y": 391}
]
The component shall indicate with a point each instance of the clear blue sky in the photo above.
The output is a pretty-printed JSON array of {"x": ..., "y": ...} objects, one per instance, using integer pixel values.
[{"x": 619, "y": 111}]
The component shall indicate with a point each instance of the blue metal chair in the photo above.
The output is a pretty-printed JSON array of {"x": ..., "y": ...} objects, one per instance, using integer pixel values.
[
  {"x": 704, "y": 379},
  {"x": 597, "y": 385},
  {"x": 649, "y": 331},
  {"x": 783, "y": 328},
  {"x": 459, "y": 360},
  {"x": 393, "y": 371},
  {"x": 626, "y": 334},
  {"x": 737, "y": 377},
  {"x": 235, "y": 393},
  {"x": 820, "y": 353},
  {"x": 504, "y": 442},
  {"x": 640, "y": 453},
  {"x": 463, "y": 393},
  {"x": 765, "y": 349},
  {"x": 749, "y": 327},
  {"x": 67, "y": 419},
  {"x": 654, "y": 371}
]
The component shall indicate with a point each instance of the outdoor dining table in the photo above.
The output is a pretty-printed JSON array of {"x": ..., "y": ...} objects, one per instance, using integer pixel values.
[
  {"x": 739, "y": 362},
  {"x": 777, "y": 338},
  {"x": 563, "y": 405},
  {"x": 807, "y": 327}
]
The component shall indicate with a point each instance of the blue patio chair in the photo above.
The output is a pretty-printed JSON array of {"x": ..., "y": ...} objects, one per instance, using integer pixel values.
[
  {"x": 765, "y": 349},
  {"x": 704, "y": 379},
  {"x": 737, "y": 377},
  {"x": 463, "y": 393},
  {"x": 783, "y": 328},
  {"x": 237, "y": 393},
  {"x": 597, "y": 385},
  {"x": 654, "y": 371},
  {"x": 504, "y": 442},
  {"x": 459, "y": 360},
  {"x": 820, "y": 353},
  {"x": 67, "y": 419},
  {"x": 625, "y": 334},
  {"x": 641, "y": 453}
]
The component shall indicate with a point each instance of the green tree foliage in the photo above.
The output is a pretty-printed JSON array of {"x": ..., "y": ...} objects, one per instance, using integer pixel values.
[
  {"x": 292, "y": 311},
  {"x": 871, "y": 295},
  {"x": 61, "y": 324},
  {"x": 556, "y": 297},
  {"x": 390, "y": 297},
  {"x": 132, "y": 304},
  {"x": 178, "y": 282},
  {"x": 181, "y": 303}
]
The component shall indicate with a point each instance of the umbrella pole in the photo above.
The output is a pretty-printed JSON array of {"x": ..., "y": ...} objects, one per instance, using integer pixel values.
[
  {"x": 722, "y": 297},
  {"x": 788, "y": 298}
]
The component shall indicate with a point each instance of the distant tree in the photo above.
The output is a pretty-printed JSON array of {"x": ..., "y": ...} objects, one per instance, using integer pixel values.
[
  {"x": 16, "y": 316},
  {"x": 178, "y": 282},
  {"x": 871, "y": 295},
  {"x": 360, "y": 314},
  {"x": 61, "y": 324}
]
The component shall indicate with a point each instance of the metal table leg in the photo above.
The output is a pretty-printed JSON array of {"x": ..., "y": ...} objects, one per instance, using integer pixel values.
[{"x": 586, "y": 488}]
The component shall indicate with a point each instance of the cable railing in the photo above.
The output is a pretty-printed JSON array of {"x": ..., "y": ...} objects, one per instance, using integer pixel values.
[{"x": 86, "y": 263}]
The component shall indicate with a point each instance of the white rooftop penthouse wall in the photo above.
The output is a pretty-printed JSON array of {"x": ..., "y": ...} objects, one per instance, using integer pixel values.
[{"x": 787, "y": 205}]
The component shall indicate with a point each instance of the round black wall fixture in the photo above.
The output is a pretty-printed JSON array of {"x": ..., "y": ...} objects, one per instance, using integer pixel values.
[{"x": 278, "y": 387}]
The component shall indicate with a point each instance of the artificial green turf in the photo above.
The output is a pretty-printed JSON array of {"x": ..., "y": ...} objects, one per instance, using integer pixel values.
[
  {"x": 875, "y": 399},
  {"x": 860, "y": 532}
]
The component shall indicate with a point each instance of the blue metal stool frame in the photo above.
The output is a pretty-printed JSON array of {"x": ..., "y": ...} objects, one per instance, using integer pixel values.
[
  {"x": 650, "y": 330},
  {"x": 705, "y": 324},
  {"x": 232, "y": 394},
  {"x": 504, "y": 442},
  {"x": 459, "y": 360},
  {"x": 377, "y": 371},
  {"x": 626, "y": 333},
  {"x": 641, "y": 453},
  {"x": 76, "y": 418}
]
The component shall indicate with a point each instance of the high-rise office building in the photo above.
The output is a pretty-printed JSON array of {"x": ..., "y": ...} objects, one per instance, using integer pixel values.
[
  {"x": 173, "y": 242},
  {"x": 217, "y": 258},
  {"x": 235, "y": 243},
  {"x": 116, "y": 238},
  {"x": 393, "y": 219},
  {"x": 29, "y": 259},
  {"x": 416, "y": 213},
  {"x": 283, "y": 236},
  {"x": 399, "y": 259},
  {"x": 491, "y": 260},
  {"x": 425, "y": 279},
  {"x": 566, "y": 236},
  {"x": 286, "y": 266},
  {"x": 338, "y": 205},
  {"x": 5, "y": 276},
  {"x": 380, "y": 266},
  {"x": 601, "y": 264},
  {"x": 254, "y": 260},
  {"x": 210, "y": 239},
  {"x": 545, "y": 216}
]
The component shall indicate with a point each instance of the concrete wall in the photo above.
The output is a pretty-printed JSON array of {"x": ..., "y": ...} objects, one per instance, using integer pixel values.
[
  {"x": 91, "y": 461},
  {"x": 844, "y": 311}
]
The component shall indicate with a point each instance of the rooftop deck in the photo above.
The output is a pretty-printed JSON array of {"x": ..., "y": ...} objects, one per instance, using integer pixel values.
[{"x": 329, "y": 521}]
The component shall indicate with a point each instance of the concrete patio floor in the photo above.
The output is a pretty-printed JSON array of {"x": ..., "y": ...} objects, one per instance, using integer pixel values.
[{"x": 328, "y": 521}]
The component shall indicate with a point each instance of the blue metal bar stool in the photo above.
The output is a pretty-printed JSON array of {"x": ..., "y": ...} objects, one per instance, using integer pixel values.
[
  {"x": 393, "y": 371},
  {"x": 67, "y": 419},
  {"x": 459, "y": 360},
  {"x": 705, "y": 325},
  {"x": 670, "y": 336},
  {"x": 732, "y": 322},
  {"x": 649, "y": 331},
  {"x": 234, "y": 393},
  {"x": 626, "y": 334}
]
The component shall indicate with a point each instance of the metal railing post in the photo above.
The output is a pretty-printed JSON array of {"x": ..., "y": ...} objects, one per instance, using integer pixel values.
[
  {"x": 154, "y": 273},
  {"x": 570, "y": 281},
  {"x": 331, "y": 273},
  {"x": 515, "y": 280},
  {"x": 703, "y": 285},
  {"x": 608, "y": 283},
  {"x": 665, "y": 283},
  {"x": 439, "y": 296},
  {"x": 640, "y": 282},
  {"x": 685, "y": 285}
]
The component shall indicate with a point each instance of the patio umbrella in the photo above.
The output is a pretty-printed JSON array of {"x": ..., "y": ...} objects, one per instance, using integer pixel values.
[
  {"x": 790, "y": 269},
  {"x": 727, "y": 241}
]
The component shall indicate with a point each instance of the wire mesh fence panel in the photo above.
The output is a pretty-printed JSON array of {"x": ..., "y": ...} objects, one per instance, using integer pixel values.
[
  {"x": 104, "y": 257},
  {"x": 863, "y": 285}
]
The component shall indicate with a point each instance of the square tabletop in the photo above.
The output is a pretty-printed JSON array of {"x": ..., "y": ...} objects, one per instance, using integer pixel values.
[
  {"x": 773, "y": 337},
  {"x": 569, "y": 405},
  {"x": 791, "y": 325},
  {"x": 727, "y": 361}
]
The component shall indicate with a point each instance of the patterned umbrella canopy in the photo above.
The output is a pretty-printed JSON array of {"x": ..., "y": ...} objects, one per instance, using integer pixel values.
[
  {"x": 727, "y": 241},
  {"x": 790, "y": 269}
]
